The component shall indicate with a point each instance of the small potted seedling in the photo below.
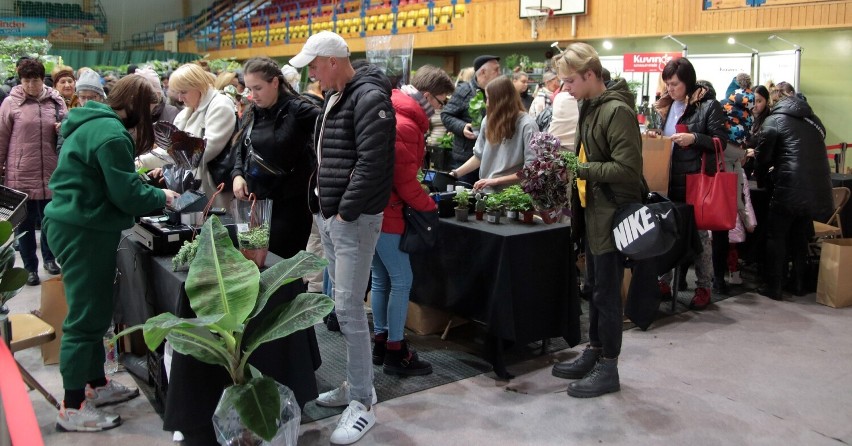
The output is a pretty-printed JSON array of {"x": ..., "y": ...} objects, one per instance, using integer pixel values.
[
  {"x": 479, "y": 206},
  {"x": 462, "y": 200},
  {"x": 494, "y": 208},
  {"x": 511, "y": 200}
]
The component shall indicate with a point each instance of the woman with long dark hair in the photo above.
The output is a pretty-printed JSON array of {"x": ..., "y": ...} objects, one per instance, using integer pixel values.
[
  {"x": 278, "y": 126},
  {"x": 503, "y": 145},
  {"x": 96, "y": 193}
]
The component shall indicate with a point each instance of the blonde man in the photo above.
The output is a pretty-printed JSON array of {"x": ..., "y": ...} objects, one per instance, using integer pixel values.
[{"x": 609, "y": 147}]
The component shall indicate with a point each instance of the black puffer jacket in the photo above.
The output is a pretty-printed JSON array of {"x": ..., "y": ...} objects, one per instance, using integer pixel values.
[
  {"x": 455, "y": 116},
  {"x": 792, "y": 142},
  {"x": 704, "y": 117},
  {"x": 356, "y": 147}
]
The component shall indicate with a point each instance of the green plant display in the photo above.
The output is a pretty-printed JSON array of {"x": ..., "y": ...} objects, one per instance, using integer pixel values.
[
  {"x": 219, "y": 65},
  {"x": 494, "y": 202},
  {"x": 12, "y": 50},
  {"x": 446, "y": 141},
  {"x": 227, "y": 291},
  {"x": 516, "y": 199},
  {"x": 476, "y": 108},
  {"x": 255, "y": 238},
  {"x": 462, "y": 199},
  {"x": 185, "y": 255},
  {"x": 12, "y": 279}
]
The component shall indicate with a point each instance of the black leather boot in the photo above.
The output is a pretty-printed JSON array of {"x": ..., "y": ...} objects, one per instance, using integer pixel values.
[
  {"x": 601, "y": 380},
  {"x": 379, "y": 347},
  {"x": 404, "y": 362},
  {"x": 579, "y": 367}
]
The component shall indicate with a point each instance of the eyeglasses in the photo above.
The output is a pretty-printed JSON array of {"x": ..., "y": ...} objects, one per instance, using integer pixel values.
[{"x": 443, "y": 103}]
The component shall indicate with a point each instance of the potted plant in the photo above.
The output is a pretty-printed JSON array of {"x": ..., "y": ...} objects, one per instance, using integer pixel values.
[
  {"x": 476, "y": 109},
  {"x": 549, "y": 177},
  {"x": 252, "y": 217},
  {"x": 494, "y": 208},
  {"x": 441, "y": 156},
  {"x": 525, "y": 208},
  {"x": 479, "y": 206},
  {"x": 227, "y": 291},
  {"x": 538, "y": 67},
  {"x": 512, "y": 201},
  {"x": 462, "y": 200}
]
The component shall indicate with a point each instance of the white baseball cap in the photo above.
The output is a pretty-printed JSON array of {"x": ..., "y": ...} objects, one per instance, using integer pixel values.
[{"x": 324, "y": 44}]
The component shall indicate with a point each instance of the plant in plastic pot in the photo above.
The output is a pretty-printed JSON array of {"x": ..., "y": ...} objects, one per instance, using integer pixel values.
[
  {"x": 462, "y": 200},
  {"x": 252, "y": 218},
  {"x": 227, "y": 291},
  {"x": 494, "y": 208},
  {"x": 479, "y": 206},
  {"x": 549, "y": 178}
]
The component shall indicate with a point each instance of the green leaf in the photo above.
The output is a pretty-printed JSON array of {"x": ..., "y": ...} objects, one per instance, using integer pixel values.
[
  {"x": 5, "y": 231},
  {"x": 258, "y": 405},
  {"x": 13, "y": 279},
  {"x": 302, "y": 312},
  {"x": 284, "y": 272},
  {"x": 220, "y": 279},
  {"x": 203, "y": 346},
  {"x": 156, "y": 329}
]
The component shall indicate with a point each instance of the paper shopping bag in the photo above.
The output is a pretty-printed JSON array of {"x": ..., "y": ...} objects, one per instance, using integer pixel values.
[
  {"x": 834, "y": 286},
  {"x": 656, "y": 163},
  {"x": 53, "y": 310}
]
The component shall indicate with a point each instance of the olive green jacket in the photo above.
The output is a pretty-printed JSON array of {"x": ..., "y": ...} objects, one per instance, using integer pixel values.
[{"x": 609, "y": 131}]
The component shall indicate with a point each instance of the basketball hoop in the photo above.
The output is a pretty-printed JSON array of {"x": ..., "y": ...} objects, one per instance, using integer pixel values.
[{"x": 538, "y": 15}]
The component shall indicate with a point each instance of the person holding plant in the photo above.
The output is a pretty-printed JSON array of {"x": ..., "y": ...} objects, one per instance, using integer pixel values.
[
  {"x": 96, "y": 194},
  {"x": 29, "y": 125},
  {"x": 457, "y": 116},
  {"x": 281, "y": 124},
  {"x": 609, "y": 150},
  {"x": 503, "y": 146},
  {"x": 391, "y": 272}
]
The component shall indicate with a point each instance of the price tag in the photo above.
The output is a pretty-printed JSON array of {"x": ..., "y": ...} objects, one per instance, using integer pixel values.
[{"x": 242, "y": 227}]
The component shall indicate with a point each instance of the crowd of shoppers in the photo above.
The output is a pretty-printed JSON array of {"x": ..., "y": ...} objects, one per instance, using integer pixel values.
[{"x": 347, "y": 152}]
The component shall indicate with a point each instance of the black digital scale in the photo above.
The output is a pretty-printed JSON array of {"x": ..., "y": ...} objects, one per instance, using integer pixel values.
[{"x": 165, "y": 234}]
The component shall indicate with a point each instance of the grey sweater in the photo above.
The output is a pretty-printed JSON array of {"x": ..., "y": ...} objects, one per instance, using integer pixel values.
[{"x": 509, "y": 156}]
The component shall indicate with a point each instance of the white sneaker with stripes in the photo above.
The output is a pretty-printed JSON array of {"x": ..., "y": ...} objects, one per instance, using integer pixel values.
[{"x": 355, "y": 421}]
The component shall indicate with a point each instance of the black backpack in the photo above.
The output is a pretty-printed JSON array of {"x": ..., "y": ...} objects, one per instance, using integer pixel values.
[{"x": 543, "y": 119}]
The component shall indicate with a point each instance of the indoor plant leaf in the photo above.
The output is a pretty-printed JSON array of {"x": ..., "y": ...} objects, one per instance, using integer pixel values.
[
  {"x": 13, "y": 279},
  {"x": 285, "y": 272},
  {"x": 201, "y": 345},
  {"x": 157, "y": 327},
  {"x": 220, "y": 279},
  {"x": 302, "y": 312},
  {"x": 257, "y": 404},
  {"x": 5, "y": 231}
]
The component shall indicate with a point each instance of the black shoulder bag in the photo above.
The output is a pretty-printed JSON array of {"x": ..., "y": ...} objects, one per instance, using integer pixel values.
[
  {"x": 220, "y": 167},
  {"x": 421, "y": 230}
]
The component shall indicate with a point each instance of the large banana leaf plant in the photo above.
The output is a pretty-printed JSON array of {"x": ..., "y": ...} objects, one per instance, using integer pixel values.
[{"x": 226, "y": 291}]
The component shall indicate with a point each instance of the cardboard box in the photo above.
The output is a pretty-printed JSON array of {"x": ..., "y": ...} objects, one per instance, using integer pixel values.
[
  {"x": 53, "y": 310},
  {"x": 425, "y": 320}
]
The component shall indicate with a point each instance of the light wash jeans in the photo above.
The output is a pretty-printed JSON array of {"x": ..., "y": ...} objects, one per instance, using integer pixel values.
[
  {"x": 349, "y": 249},
  {"x": 392, "y": 278}
]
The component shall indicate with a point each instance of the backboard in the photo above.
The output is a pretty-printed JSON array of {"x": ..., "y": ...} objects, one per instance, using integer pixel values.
[{"x": 559, "y": 7}]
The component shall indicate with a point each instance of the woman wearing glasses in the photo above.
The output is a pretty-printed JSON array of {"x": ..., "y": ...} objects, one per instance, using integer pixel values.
[
  {"x": 503, "y": 145},
  {"x": 391, "y": 271}
]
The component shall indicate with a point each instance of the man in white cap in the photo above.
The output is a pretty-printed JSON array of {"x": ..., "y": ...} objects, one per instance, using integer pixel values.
[{"x": 355, "y": 154}]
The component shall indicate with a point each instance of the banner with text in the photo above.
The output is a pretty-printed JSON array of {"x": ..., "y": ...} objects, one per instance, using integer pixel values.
[
  {"x": 647, "y": 62},
  {"x": 23, "y": 27}
]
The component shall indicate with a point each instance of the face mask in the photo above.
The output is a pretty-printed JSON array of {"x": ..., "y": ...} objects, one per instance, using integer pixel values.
[{"x": 131, "y": 120}]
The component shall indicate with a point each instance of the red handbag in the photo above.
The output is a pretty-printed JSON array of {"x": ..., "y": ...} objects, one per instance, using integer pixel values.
[{"x": 714, "y": 197}]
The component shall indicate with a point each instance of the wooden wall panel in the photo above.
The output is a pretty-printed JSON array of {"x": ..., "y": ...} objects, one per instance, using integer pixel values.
[
  {"x": 496, "y": 22},
  {"x": 741, "y": 4}
]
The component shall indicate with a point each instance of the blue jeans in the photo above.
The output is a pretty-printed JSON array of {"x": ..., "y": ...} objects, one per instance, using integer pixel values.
[
  {"x": 27, "y": 243},
  {"x": 349, "y": 248},
  {"x": 392, "y": 278}
]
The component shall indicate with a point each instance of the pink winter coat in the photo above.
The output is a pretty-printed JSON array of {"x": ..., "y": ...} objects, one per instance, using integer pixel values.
[{"x": 28, "y": 140}]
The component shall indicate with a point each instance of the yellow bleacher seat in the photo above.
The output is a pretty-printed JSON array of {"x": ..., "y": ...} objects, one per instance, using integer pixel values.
[{"x": 459, "y": 10}]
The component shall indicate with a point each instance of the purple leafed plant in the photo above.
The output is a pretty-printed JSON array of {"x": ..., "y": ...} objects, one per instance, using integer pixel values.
[{"x": 547, "y": 179}]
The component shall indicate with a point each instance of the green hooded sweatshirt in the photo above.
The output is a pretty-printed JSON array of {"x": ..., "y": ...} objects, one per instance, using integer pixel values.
[
  {"x": 95, "y": 184},
  {"x": 609, "y": 131}
]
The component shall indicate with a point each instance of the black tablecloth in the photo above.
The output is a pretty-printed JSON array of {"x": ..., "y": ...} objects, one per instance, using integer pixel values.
[
  {"x": 844, "y": 180},
  {"x": 147, "y": 286},
  {"x": 519, "y": 280}
]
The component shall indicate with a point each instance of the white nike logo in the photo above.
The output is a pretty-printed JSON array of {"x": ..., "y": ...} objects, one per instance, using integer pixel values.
[{"x": 663, "y": 216}]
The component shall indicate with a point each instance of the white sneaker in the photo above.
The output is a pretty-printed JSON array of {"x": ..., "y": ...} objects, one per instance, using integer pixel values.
[
  {"x": 339, "y": 397},
  {"x": 734, "y": 278},
  {"x": 355, "y": 421},
  {"x": 112, "y": 393},
  {"x": 85, "y": 419}
]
